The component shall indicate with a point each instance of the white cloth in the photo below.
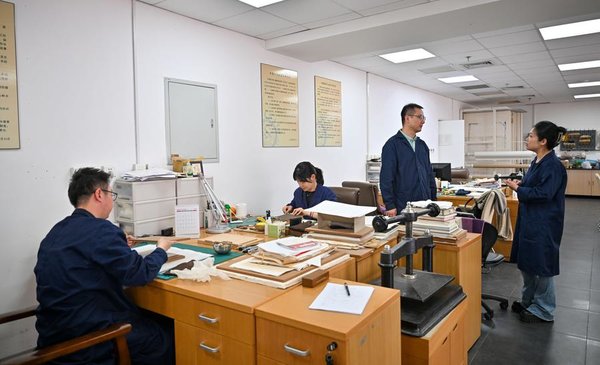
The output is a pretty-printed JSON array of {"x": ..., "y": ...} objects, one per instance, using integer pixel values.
[{"x": 201, "y": 272}]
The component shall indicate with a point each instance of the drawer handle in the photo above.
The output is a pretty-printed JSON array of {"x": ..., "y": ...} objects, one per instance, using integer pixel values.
[
  {"x": 295, "y": 351},
  {"x": 207, "y": 348},
  {"x": 445, "y": 339},
  {"x": 456, "y": 325},
  {"x": 207, "y": 319}
]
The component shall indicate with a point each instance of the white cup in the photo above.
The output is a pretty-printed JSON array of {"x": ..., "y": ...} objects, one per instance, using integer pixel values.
[{"x": 241, "y": 210}]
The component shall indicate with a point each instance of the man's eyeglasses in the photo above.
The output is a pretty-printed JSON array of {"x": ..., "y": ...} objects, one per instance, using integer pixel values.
[
  {"x": 112, "y": 193},
  {"x": 422, "y": 117}
]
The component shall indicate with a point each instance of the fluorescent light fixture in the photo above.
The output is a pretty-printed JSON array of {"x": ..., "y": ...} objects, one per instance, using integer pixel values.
[
  {"x": 585, "y": 96},
  {"x": 260, "y": 3},
  {"x": 407, "y": 56},
  {"x": 455, "y": 79},
  {"x": 571, "y": 30},
  {"x": 579, "y": 65},
  {"x": 584, "y": 84}
]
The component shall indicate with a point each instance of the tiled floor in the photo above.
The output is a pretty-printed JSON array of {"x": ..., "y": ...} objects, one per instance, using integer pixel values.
[{"x": 574, "y": 337}]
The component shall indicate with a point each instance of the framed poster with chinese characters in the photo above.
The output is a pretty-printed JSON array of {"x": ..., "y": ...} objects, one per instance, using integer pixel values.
[
  {"x": 279, "y": 91},
  {"x": 9, "y": 112},
  {"x": 328, "y": 112}
]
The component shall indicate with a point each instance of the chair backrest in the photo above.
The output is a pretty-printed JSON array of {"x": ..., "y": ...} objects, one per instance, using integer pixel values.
[
  {"x": 489, "y": 233},
  {"x": 346, "y": 195},
  {"x": 116, "y": 333},
  {"x": 368, "y": 192}
]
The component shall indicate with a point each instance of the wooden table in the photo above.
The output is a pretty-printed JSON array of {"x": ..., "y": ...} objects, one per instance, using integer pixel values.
[
  {"x": 501, "y": 246},
  {"x": 367, "y": 260},
  {"x": 463, "y": 261},
  {"x": 214, "y": 321},
  {"x": 370, "y": 338}
]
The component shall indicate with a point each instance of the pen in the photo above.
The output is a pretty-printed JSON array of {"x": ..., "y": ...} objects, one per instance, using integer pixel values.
[{"x": 347, "y": 289}]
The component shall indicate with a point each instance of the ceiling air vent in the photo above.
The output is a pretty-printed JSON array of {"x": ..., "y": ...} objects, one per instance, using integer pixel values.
[
  {"x": 516, "y": 87},
  {"x": 514, "y": 101},
  {"x": 475, "y": 87},
  {"x": 438, "y": 70},
  {"x": 479, "y": 64}
]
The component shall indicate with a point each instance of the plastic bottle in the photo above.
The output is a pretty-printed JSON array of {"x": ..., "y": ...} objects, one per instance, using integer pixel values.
[{"x": 228, "y": 212}]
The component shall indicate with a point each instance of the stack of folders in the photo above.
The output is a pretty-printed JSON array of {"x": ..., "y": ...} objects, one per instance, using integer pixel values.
[
  {"x": 443, "y": 226},
  {"x": 342, "y": 237},
  {"x": 281, "y": 263}
]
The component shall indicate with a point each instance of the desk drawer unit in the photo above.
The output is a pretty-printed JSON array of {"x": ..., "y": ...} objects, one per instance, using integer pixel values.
[
  {"x": 215, "y": 318},
  {"x": 191, "y": 186},
  {"x": 147, "y": 227},
  {"x": 145, "y": 190},
  {"x": 197, "y": 346},
  {"x": 144, "y": 210}
]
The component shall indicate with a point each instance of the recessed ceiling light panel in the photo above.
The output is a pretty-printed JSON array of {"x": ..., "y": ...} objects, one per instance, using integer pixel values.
[
  {"x": 571, "y": 30},
  {"x": 584, "y": 84},
  {"x": 260, "y": 3},
  {"x": 579, "y": 65},
  {"x": 456, "y": 79},
  {"x": 585, "y": 96},
  {"x": 407, "y": 56}
]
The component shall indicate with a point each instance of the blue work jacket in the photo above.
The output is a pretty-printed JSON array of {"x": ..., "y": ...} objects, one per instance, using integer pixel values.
[
  {"x": 320, "y": 194},
  {"x": 541, "y": 217},
  {"x": 83, "y": 264},
  {"x": 405, "y": 175}
]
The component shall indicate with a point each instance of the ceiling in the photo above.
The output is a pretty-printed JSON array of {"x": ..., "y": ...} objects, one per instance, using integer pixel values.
[{"x": 516, "y": 66}]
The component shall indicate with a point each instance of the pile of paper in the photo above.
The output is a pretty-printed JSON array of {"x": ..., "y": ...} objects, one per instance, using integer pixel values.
[{"x": 151, "y": 174}]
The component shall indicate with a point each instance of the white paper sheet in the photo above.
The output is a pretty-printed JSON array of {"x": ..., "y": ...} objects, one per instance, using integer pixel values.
[
  {"x": 425, "y": 203},
  {"x": 279, "y": 246},
  {"x": 341, "y": 209},
  {"x": 188, "y": 255},
  {"x": 335, "y": 298}
]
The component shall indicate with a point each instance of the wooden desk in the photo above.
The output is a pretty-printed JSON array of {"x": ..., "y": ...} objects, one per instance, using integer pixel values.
[
  {"x": 463, "y": 261},
  {"x": 443, "y": 344},
  {"x": 370, "y": 338},
  {"x": 214, "y": 322},
  {"x": 367, "y": 261},
  {"x": 501, "y": 246}
]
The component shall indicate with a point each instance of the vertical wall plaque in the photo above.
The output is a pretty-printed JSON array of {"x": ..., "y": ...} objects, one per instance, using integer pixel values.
[
  {"x": 279, "y": 91},
  {"x": 328, "y": 112},
  {"x": 9, "y": 111}
]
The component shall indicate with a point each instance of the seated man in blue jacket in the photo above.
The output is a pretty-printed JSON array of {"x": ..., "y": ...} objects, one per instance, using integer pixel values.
[
  {"x": 83, "y": 264},
  {"x": 406, "y": 173}
]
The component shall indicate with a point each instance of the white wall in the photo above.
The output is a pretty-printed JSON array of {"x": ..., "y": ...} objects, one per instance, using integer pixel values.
[
  {"x": 386, "y": 99},
  {"x": 74, "y": 67},
  {"x": 169, "y": 45}
]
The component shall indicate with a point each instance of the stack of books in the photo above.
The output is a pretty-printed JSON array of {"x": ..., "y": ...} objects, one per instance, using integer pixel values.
[
  {"x": 442, "y": 226},
  {"x": 283, "y": 262},
  {"x": 342, "y": 237}
]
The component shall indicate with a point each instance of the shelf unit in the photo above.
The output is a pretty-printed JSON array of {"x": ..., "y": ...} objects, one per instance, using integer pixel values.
[
  {"x": 495, "y": 129},
  {"x": 372, "y": 171}
]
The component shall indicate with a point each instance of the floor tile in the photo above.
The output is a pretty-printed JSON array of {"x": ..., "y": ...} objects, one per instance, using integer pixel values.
[
  {"x": 572, "y": 298},
  {"x": 594, "y": 327},
  {"x": 576, "y": 280},
  {"x": 595, "y": 301},
  {"x": 593, "y": 352},
  {"x": 570, "y": 321}
]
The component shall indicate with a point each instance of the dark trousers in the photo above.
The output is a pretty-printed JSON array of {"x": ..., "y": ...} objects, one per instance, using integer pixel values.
[{"x": 151, "y": 340}]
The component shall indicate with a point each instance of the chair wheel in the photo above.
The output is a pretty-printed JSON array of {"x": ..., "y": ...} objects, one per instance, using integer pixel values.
[
  {"x": 488, "y": 316},
  {"x": 503, "y": 305}
]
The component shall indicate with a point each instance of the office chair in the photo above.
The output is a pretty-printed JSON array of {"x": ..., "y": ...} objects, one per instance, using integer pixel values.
[
  {"x": 115, "y": 333},
  {"x": 368, "y": 193},
  {"x": 489, "y": 235},
  {"x": 346, "y": 195}
]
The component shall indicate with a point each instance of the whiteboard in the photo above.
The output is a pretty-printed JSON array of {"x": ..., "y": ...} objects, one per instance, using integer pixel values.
[
  {"x": 191, "y": 120},
  {"x": 451, "y": 142}
]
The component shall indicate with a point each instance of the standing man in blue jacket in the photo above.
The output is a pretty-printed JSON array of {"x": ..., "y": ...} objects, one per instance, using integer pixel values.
[
  {"x": 83, "y": 264},
  {"x": 406, "y": 173}
]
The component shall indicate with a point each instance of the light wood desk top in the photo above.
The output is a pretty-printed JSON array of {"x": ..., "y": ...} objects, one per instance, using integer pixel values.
[{"x": 292, "y": 309}]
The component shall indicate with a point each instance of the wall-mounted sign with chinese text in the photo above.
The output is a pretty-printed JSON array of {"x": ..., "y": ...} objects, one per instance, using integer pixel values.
[{"x": 9, "y": 111}]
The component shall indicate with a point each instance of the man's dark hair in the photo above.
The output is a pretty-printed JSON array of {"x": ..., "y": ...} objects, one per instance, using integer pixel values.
[
  {"x": 409, "y": 109},
  {"x": 84, "y": 182}
]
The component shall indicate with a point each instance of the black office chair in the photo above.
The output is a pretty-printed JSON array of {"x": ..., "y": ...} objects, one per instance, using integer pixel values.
[
  {"x": 489, "y": 235},
  {"x": 346, "y": 195},
  {"x": 368, "y": 193}
]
